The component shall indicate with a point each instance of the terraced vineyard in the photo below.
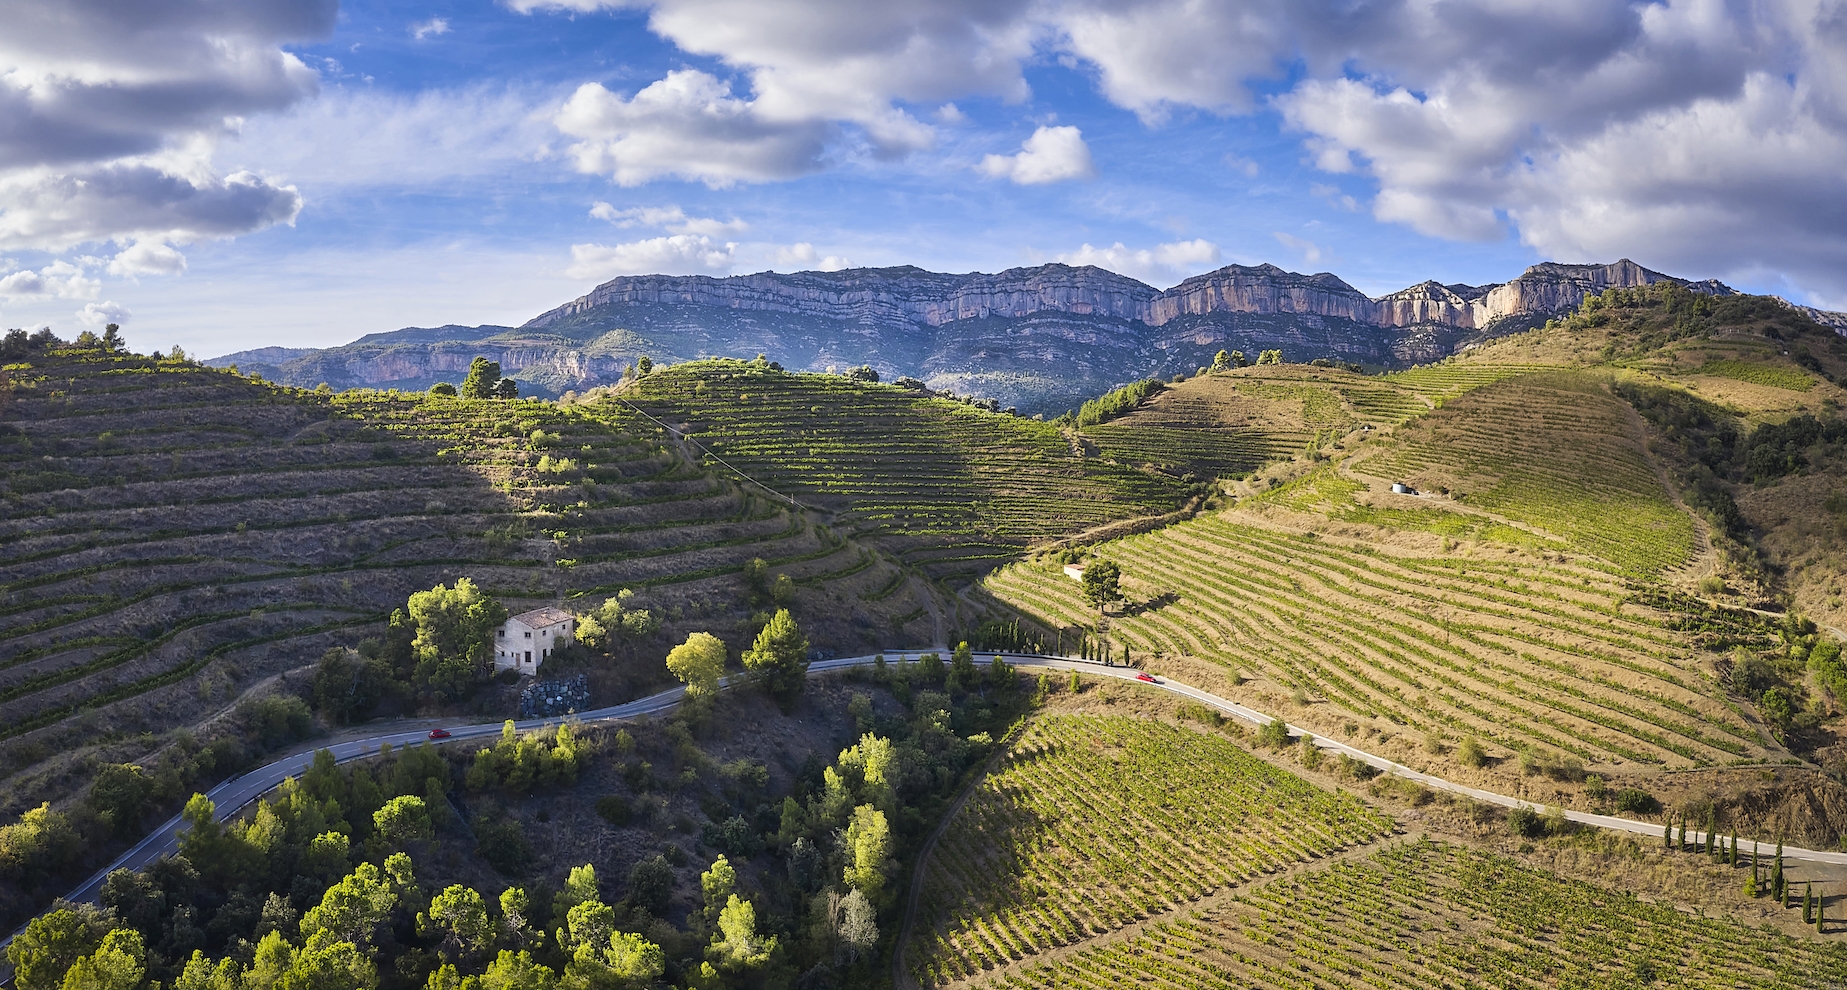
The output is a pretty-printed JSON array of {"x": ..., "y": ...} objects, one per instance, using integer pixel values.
[
  {"x": 173, "y": 534},
  {"x": 1427, "y": 915},
  {"x": 1091, "y": 823},
  {"x": 1556, "y": 451},
  {"x": 1564, "y": 657},
  {"x": 1230, "y": 423},
  {"x": 944, "y": 485}
]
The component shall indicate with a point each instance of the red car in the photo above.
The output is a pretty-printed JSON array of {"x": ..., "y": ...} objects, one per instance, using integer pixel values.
[
  {"x": 439, "y": 733},
  {"x": 1147, "y": 677}
]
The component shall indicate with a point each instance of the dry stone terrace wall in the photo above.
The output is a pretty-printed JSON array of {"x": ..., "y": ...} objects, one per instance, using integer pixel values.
[
  {"x": 1530, "y": 653},
  {"x": 947, "y": 487},
  {"x": 171, "y": 535}
]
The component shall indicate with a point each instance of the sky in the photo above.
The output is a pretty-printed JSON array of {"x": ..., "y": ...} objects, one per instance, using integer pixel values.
[{"x": 226, "y": 174}]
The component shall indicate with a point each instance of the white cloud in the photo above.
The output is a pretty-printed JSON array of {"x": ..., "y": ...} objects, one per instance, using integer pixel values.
[
  {"x": 1472, "y": 119},
  {"x": 148, "y": 258},
  {"x": 687, "y": 126},
  {"x": 430, "y": 28},
  {"x": 669, "y": 218},
  {"x": 1165, "y": 264},
  {"x": 363, "y": 137},
  {"x": 1309, "y": 250},
  {"x": 1052, "y": 154},
  {"x": 58, "y": 280},
  {"x": 804, "y": 256},
  {"x": 677, "y": 254},
  {"x": 99, "y": 314},
  {"x": 850, "y": 62},
  {"x": 109, "y": 114},
  {"x": 1333, "y": 195}
]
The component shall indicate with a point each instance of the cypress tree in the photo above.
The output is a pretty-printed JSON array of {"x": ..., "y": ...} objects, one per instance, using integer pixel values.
[
  {"x": 1753, "y": 864},
  {"x": 1712, "y": 821},
  {"x": 1667, "y": 832},
  {"x": 1821, "y": 911},
  {"x": 1779, "y": 888},
  {"x": 1808, "y": 904},
  {"x": 1682, "y": 846}
]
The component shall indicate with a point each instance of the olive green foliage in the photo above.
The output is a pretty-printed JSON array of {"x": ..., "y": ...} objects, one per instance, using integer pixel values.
[
  {"x": 348, "y": 686},
  {"x": 452, "y": 637},
  {"x": 518, "y": 763},
  {"x": 483, "y": 381},
  {"x": 40, "y": 843},
  {"x": 1270, "y": 357},
  {"x": 1120, "y": 402},
  {"x": 779, "y": 656},
  {"x": 1102, "y": 583},
  {"x": 615, "y": 621},
  {"x": 443, "y": 389},
  {"x": 699, "y": 663}
]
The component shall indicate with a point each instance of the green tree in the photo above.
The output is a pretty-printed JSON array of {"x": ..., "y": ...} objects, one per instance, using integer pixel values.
[
  {"x": 351, "y": 910},
  {"x": 333, "y": 966},
  {"x": 737, "y": 946},
  {"x": 51, "y": 942},
  {"x": 643, "y": 366},
  {"x": 112, "y": 337},
  {"x": 717, "y": 884},
  {"x": 39, "y": 845},
  {"x": 868, "y": 838},
  {"x": 1270, "y": 357},
  {"x": 779, "y": 657},
  {"x": 506, "y": 388},
  {"x": 454, "y": 637},
  {"x": 650, "y": 885},
  {"x": 699, "y": 663},
  {"x": 517, "y": 971},
  {"x": 1102, "y": 584},
  {"x": 117, "y": 964},
  {"x": 119, "y": 796},
  {"x": 402, "y": 819},
  {"x": 460, "y": 913},
  {"x": 326, "y": 858},
  {"x": 516, "y": 917},
  {"x": 963, "y": 675},
  {"x": 483, "y": 378},
  {"x": 443, "y": 389},
  {"x": 1221, "y": 361}
]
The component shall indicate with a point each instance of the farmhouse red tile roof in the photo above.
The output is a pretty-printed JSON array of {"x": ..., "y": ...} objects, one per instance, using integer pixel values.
[{"x": 547, "y": 615}]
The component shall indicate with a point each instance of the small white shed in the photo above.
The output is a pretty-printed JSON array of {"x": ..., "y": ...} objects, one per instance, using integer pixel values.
[
  {"x": 523, "y": 642},
  {"x": 1075, "y": 572}
]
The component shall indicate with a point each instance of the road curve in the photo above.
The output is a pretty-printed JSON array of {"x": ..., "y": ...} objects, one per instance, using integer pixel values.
[{"x": 237, "y": 793}]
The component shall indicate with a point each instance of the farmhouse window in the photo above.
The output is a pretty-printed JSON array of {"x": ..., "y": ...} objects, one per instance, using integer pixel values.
[{"x": 528, "y": 656}]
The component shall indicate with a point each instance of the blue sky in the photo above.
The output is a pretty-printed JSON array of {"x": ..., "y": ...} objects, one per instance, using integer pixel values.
[{"x": 386, "y": 165}]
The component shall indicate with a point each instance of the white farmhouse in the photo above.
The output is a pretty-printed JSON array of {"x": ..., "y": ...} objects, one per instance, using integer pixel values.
[
  {"x": 1075, "y": 572},
  {"x": 524, "y": 641}
]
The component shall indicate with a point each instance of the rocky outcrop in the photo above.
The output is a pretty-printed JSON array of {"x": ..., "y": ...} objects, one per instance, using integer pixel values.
[
  {"x": 1043, "y": 338},
  {"x": 880, "y": 296},
  {"x": 1263, "y": 289}
]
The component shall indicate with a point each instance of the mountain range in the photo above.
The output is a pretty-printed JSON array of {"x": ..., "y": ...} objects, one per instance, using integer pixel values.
[{"x": 1041, "y": 339}]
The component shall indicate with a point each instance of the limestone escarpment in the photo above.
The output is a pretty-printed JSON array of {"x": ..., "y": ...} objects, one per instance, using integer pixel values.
[{"x": 1044, "y": 338}]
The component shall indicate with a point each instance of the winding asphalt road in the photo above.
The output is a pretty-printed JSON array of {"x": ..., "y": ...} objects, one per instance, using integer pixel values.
[{"x": 234, "y": 795}]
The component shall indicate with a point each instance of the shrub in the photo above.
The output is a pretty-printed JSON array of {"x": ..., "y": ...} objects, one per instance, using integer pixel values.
[
  {"x": 503, "y": 846},
  {"x": 650, "y": 885},
  {"x": 615, "y": 809},
  {"x": 1273, "y": 734},
  {"x": 1526, "y": 823},
  {"x": 1471, "y": 754},
  {"x": 1636, "y": 801}
]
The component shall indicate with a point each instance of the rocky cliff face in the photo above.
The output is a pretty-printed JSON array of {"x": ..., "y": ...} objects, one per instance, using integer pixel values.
[
  {"x": 880, "y": 296},
  {"x": 1044, "y": 338}
]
